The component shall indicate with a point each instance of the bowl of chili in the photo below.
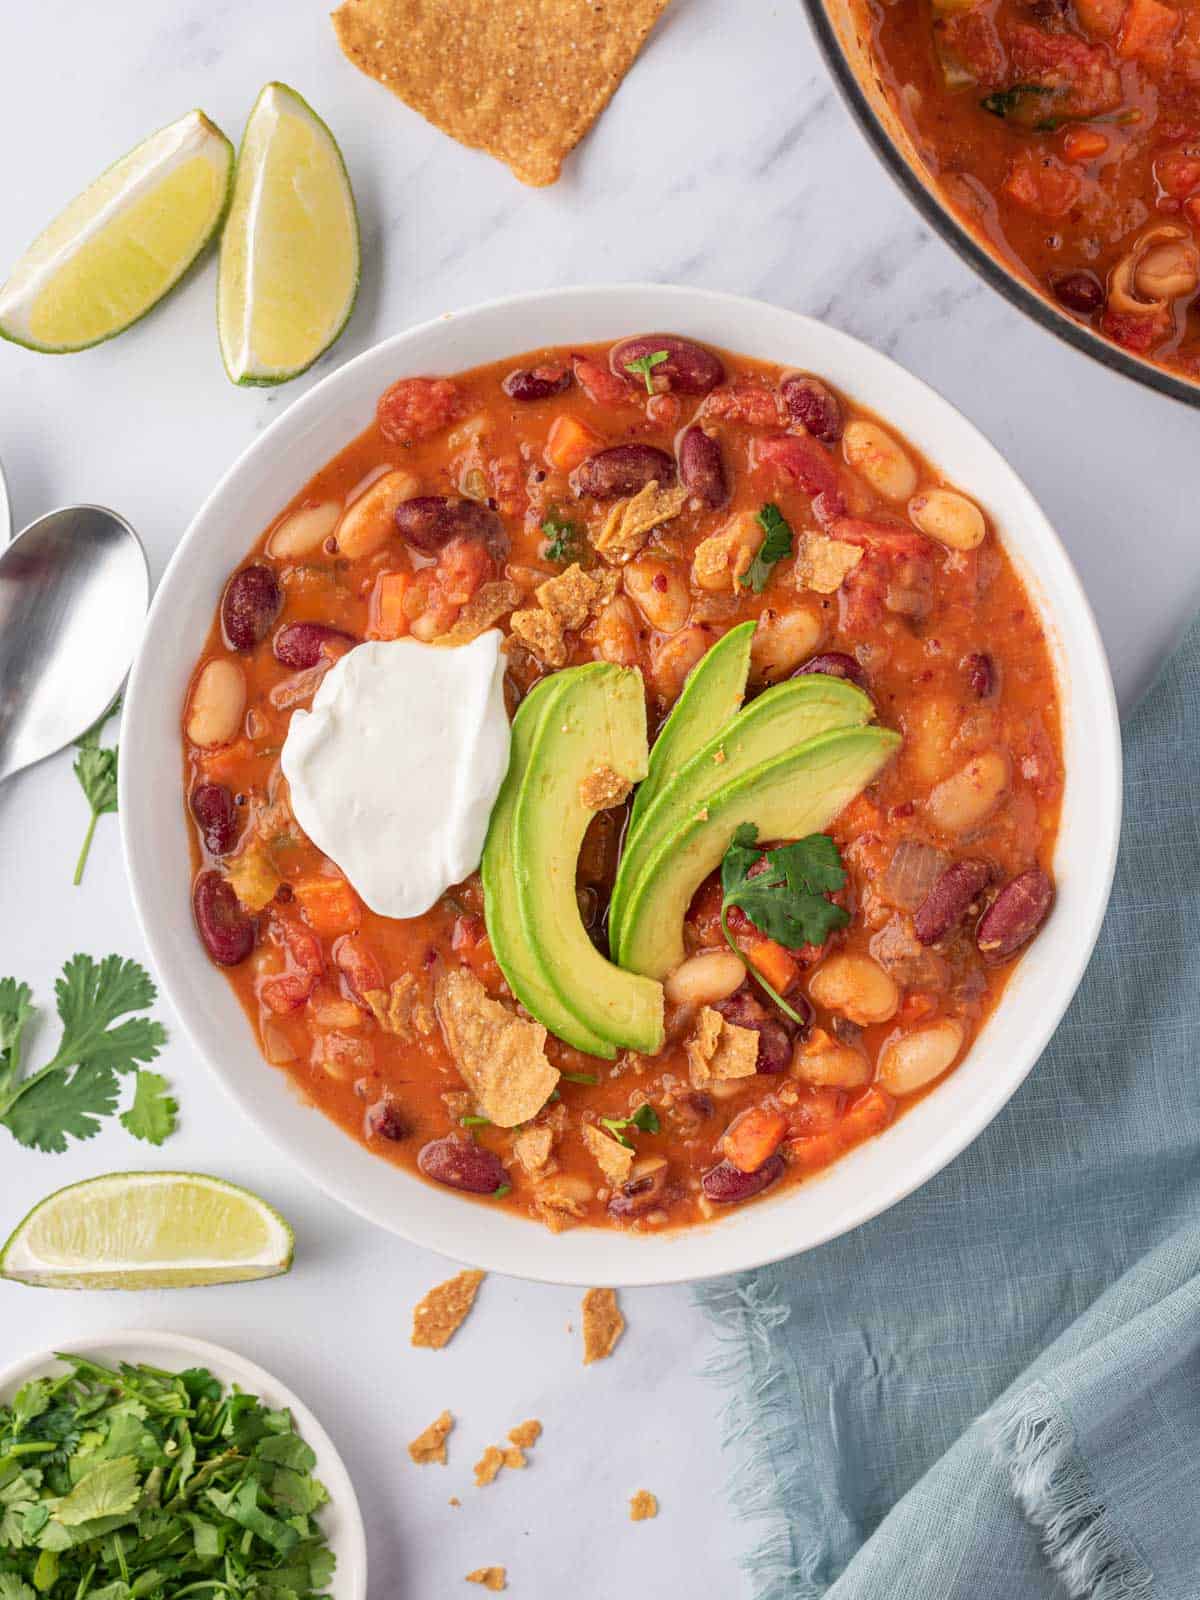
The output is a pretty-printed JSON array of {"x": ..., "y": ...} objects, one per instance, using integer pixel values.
[
  {"x": 1058, "y": 710},
  {"x": 1055, "y": 148}
]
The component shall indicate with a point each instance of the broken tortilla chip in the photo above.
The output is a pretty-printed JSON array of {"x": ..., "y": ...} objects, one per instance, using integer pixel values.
[
  {"x": 524, "y": 83},
  {"x": 487, "y": 1468},
  {"x": 720, "y": 1050},
  {"x": 430, "y": 1446},
  {"x": 493, "y": 1578},
  {"x": 444, "y": 1310},
  {"x": 603, "y": 1324},
  {"x": 631, "y": 521},
  {"x": 602, "y": 789},
  {"x": 525, "y": 1434},
  {"x": 487, "y": 605},
  {"x": 642, "y": 1505},
  {"x": 501, "y": 1057},
  {"x": 822, "y": 563},
  {"x": 613, "y": 1159}
]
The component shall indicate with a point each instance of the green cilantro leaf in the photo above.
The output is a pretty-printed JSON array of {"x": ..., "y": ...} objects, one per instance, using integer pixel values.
[
  {"x": 564, "y": 540},
  {"x": 16, "y": 1010},
  {"x": 643, "y": 366},
  {"x": 776, "y": 546},
  {"x": 501, "y": 1190},
  {"x": 645, "y": 1119},
  {"x": 59, "y": 1105},
  {"x": 11, "y": 1588},
  {"x": 96, "y": 769},
  {"x": 109, "y": 1490},
  {"x": 580, "y": 1077},
  {"x": 474, "y": 1122},
  {"x": 783, "y": 893},
  {"x": 152, "y": 1115}
]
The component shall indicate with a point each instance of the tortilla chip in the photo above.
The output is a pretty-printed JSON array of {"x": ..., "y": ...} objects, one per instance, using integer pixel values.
[
  {"x": 487, "y": 1468},
  {"x": 514, "y": 1456},
  {"x": 728, "y": 554},
  {"x": 502, "y": 1057},
  {"x": 556, "y": 1206},
  {"x": 493, "y": 1578},
  {"x": 487, "y": 605},
  {"x": 394, "y": 1008},
  {"x": 631, "y": 521},
  {"x": 532, "y": 1148},
  {"x": 603, "y": 1324},
  {"x": 642, "y": 1505},
  {"x": 444, "y": 1310},
  {"x": 541, "y": 634},
  {"x": 564, "y": 602},
  {"x": 602, "y": 789},
  {"x": 613, "y": 1159},
  {"x": 430, "y": 1446},
  {"x": 524, "y": 83},
  {"x": 720, "y": 1050},
  {"x": 822, "y": 563},
  {"x": 525, "y": 1434}
]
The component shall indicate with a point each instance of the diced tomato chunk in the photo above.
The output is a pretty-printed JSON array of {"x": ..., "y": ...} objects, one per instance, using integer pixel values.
[
  {"x": 599, "y": 383},
  {"x": 970, "y": 39},
  {"x": 798, "y": 457},
  {"x": 357, "y": 963},
  {"x": 1135, "y": 333},
  {"x": 469, "y": 941},
  {"x": 745, "y": 400},
  {"x": 1081, "y": 74},
  {"x": 753, "y": 1137},
  {"x": 1042, "y": 184},
  {"x": 1147, "y": 30},
  {"x": 290, "y": 989},
  {"x": 1177, "y": 173},
  {"x": 414, "y": 408}
]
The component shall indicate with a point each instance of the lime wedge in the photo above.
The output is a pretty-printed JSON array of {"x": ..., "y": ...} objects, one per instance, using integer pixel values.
[
  {"x": 122, "y": 244},
  {"x": 148, "y": 1230},
  {"x": 289, "y": 252}
]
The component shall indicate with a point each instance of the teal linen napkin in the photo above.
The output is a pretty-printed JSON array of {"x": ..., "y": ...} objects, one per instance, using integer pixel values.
[{"x": 992, "y": 1392}]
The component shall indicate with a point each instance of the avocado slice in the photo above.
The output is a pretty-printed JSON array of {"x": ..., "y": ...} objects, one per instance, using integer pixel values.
[
  {"x": 788, "y": 798},
  {"x": 500, "y": 910},
  {"x": 712, "y": 694},
  {"x": 776, "y": 722},
  {"x": 594, "y": 719}
]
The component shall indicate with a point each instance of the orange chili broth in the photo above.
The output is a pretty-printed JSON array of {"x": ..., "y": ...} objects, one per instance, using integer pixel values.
[{"x": 979, "y": 604}]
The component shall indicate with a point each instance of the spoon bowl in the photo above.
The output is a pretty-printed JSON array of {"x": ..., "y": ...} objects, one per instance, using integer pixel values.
[{"x": 74, "y": 587}]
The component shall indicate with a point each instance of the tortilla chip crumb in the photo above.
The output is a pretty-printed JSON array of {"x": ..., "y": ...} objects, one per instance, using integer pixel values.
[
  {"x": 526, "y": 1434},
  {"x": 564, "y": 602},
  {"x": 487, "y": 605},
  {"x": 613, "y": 1158},
  {"x": 822, "y": 563},
  {"x": 487, "y": 1468},
  {"x": 728, "y": 554},
  {"x": 603, "y": 1324},
  {"x": 532, "y": 1148},
  {"x": 602, "y": 789},
  {"x": 430, "y": 1446},
  {"x": 642, "y": 1505},
  {"x": 454, "y": 1501},
  {"x": 493, "y": 1578},
  {"x": 501, "y": 1057},
  {"x": 631, "y": 521},
  {"x": 444, "y": 1310},
  {"x": 556, "y": 1205},
  {"x": 398, "y": 1009},
  {"x": 514, "y": 1456},
  {"x": 720, "y": 1050}
]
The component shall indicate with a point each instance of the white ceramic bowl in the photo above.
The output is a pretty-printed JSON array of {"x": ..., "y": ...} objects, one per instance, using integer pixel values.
[
  {"x": 155, "y": 830},
  {"x": 340, "y": 1520}
]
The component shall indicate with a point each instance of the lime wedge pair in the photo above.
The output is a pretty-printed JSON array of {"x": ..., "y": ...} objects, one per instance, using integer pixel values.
[
  {"x": 289, "y": 248},
  {"x": 148, "y": 1230}
]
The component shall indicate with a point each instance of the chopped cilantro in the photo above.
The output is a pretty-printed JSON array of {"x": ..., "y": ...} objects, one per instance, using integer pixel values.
[
  {"x": 645, "y": 1118},
  {"x": 580, "y": 1077},
  {"x": 77, "y": 1088},
  {"x": 785, "y": 898},
  {"x": 645, "y": 365},
  {"x": 503, "y": 1189},
  {"x": 96, "y": 770},
  {"x": 474, "y": 1122},
  {"x": 1026, "y": 104},
  {"x": 776, "y": 545},
  {"x": 564, "y": 540}
]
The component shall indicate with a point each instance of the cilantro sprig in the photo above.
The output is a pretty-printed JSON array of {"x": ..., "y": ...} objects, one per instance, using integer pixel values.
[
  {"x": 78, "y": 1087},
  {"x": 776, "y": 546},
  {"x": 96, "y": 769},
  {"x": 785, "y": 896},
  {"x": 643, "y": 366},
  {"x": 564, "y": 542},
  {"x": 144, "y": 1483},
  {"x": 645, "y": 1119}
]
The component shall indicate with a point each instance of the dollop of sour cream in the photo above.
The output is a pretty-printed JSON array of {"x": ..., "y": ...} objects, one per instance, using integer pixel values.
[{"x": 395, "y": 770}]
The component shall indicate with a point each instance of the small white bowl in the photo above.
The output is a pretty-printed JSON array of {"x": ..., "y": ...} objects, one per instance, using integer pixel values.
[
  {"x": 341, "y": 1520},
  {"x": 155, "y": 829}
]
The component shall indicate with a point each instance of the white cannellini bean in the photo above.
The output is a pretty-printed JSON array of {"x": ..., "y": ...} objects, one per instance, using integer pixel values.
[
  {"x": 218, "y": 701},
  {"x": 658, "y": 588},
  {"x": 970, "y": 795},
  {"x": 673, "y": 658},
  {"x": 837, "y": 1066},
  {"x": 369, "y": 521},
  {"x": 880, "y": 459},
  {"x": 301, "y": 533},
  {"x": 912, "y": 1060},
  {"x": 929, "y": 731},
  {"x": 782, "y": 640},
  {"x": 705, "y": 978},
  {"x": 616, "y": 633},
  {"x": 948, "y": 517},
  {"x": 855, "y": 986}
]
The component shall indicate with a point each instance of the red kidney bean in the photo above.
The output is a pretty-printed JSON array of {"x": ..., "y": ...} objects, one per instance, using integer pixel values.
[
  {"x": 639, "y": 1195},
  {"x": 250, "y": 604},
  {"x": 215, "y": 809},
  {"x": 621, "y": 470},
  {"x": 726, "y": 1183},
  {"x": 430, "y": 521},
  {"x": 536, "y": 383},
  {"x": 981, "y": 675},
  {"x": 688, "y": 368},
  {"x": 304, "y": 644},
  {"x": 1081, "y": 292},
  {"x": 701, "y": 467},
  {"x": 834, "y": 664},
  {"x": 461, "y": 1165},
  {"x": 383, "y": 1121},
  {"x": 950, "y": 898},
  {"x": 775, "y": 1033},
  {"x": 812, "y": 405},
  {"x": 1015, "y": 915},
  {"x": 226, "y": 931}
]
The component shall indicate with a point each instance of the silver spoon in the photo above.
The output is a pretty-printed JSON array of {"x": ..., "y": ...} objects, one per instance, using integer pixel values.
[{"x": 74, "y": 587}]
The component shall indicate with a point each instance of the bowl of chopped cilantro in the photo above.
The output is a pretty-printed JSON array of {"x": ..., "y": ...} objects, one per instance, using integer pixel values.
[{"x": 149, "y": 1466}]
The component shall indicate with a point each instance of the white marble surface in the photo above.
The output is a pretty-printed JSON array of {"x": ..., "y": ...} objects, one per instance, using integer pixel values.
[{"x": 727, "y": 161}]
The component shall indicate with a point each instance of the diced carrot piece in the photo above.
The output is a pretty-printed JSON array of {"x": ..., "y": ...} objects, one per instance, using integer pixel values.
[
  {"x": 815, "y": 1150},
  {"x": 869, "y": 1114},
  {"x": 388, "y": 615},
  {"x": 773, "y": 963},
  {"x": 1147, "y": 29},
  {"x": 569, "y": 442},
  {"x": 224, "y": 764},
  {"x": 754, "y": 1137},
  {"x": 1084, "y": 144},
  {"x": 329, "y": 905}
]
